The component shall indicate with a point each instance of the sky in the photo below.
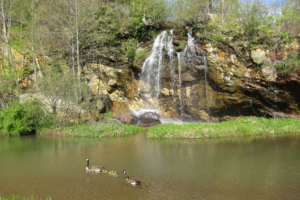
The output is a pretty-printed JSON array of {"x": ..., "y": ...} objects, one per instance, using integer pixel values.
[{"x": 270, "y": 1}]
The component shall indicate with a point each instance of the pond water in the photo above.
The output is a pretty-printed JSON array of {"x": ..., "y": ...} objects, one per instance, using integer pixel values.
[{"x": 242, "y": 168}]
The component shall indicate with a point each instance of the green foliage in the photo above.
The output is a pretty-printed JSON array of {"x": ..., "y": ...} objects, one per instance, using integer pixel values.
[
  {"x": 140, "y": 55},
  {"x": 286, "y": 36},
  {"x": 16, "y": 197},
  {"x": 255, "y": 18},
  {"x": 182, "y": 44},
  {"x": 211, "y": 26},
  {"x": 239, "y": 127},
  {"x": 130, "y": 50},
  {"x": 7, "y": 89},
  {"x": 218, "y": 37},
  {"x": 290, "y": 64},
  {"x": 188, "y": 11},
  {"x": 290, "y": 18},
  {"x": 69, "y": 99},
  {"x": 124, "y": 18},
  {"x": 21, "y": 119}
]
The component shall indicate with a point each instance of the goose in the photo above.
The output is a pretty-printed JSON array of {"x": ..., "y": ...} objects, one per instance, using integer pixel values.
[
  {"x": 104, "y": 171},
  {"x": 131, "y": 180},
  {"x": 92, "y": 168}
]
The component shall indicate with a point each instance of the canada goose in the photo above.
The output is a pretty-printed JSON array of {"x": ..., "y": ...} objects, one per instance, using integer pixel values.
[
  {"x": 104, "y": 171},
  {"x": 131, "y": 180},
  {"x": 92, "y": 168}
]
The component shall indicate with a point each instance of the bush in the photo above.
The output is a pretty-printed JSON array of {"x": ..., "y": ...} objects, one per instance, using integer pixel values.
[
  {"x": 140, "y": 55},
  {"x": 130, "y": 51},
  {"x": 290, "y": 64},
  {"x": 20, "y": 119}
]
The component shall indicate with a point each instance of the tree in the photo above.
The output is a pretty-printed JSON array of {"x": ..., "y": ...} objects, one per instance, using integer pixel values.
[
  {"x": 6, "y": 20},
  {"x": 291, "y": 16},
  {"x": 191, "y": 11}
]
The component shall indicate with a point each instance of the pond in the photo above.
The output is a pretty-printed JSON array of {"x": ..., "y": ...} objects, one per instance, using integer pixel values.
[{"x": 241, "y": 168}]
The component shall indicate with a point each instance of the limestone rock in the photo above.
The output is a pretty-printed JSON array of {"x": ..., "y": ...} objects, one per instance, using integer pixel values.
[
  {"x": 269, "y": 73},
  {"x": 258, "y": 56}
]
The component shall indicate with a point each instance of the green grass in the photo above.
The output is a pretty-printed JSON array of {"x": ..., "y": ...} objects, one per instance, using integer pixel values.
[
  {"x": 107, "y": 128},
  {"x": 19, "y": 198},
  {"x": 234, "y": 128},
  {"x": 102, "y": 130}
]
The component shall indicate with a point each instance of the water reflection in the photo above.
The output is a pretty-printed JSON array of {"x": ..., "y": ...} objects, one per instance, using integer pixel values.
[{"x": 239, "y": 168}]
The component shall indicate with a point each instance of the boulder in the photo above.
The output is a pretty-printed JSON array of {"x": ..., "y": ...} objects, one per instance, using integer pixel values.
[
  {"x": 149, "y": 117},
  {"x": 128, "y": 119},
  {"x": 258, "y": 56}
]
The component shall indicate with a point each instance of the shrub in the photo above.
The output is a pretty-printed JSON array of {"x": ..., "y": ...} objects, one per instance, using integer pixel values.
[
  {"x": 130, "y": 51},
  {"x": 140, "y": 55},
  {"x": 20, "y": 119},
  {"x": 290, "y": 64}
]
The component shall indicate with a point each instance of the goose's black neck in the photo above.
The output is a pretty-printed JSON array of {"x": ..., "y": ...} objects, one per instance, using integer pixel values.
[{"x": 127, "y": 176}]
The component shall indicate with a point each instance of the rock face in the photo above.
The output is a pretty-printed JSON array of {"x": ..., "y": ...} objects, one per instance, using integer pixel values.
[
  {"x": 67, "y": 110},
  {"x": 207, "y": 82},
  {"x": 118, "y": 83},
  {"x": 198, "y": 81}
]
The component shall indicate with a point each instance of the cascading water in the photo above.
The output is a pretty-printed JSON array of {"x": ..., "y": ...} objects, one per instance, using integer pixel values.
[
  {"x": 180, "y": 84},
  {"x": 171, "y": 52},
  {"x": 191, "y": 56},
  {"x": 151, "y": 71},
  {"x": 206, "y": 83},
  {"x": 194, "y": 48},
  {"x": 161, "y": 62}
]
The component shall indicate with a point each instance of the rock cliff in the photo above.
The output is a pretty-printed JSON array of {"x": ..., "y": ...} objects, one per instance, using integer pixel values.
[{"x": 191, "y": 79}]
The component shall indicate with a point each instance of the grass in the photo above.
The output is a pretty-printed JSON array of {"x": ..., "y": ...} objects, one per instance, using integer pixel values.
[
  {"x": 234, "y": 128},
  {"x": 107, "y": 128},
  {"x": 102, "y": 130},
  {"x": 19, "y": 198}
]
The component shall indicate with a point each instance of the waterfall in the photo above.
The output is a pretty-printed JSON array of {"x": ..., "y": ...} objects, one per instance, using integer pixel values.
[
  {"x": 191, "y": 41},
  {"x": 180, "y": 84},
  {"x": 171, "y": 52},
  {"x": 161, "y": 62},
  {"x": 206, "y": 83},
  {"x": 194, "y": 52},
  {"x": 151, "y": 70}
]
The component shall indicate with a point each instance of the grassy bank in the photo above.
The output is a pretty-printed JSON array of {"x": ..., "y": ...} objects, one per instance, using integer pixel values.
[
  {"x": 96, "y": 130},
  {"x": 103, "y": 130},
  {"x": 19, "y": 198},
  {"x": 234, "y": 128}
]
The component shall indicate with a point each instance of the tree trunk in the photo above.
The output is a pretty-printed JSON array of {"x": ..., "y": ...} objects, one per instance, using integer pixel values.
[{"x": 6, "y": 22}]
